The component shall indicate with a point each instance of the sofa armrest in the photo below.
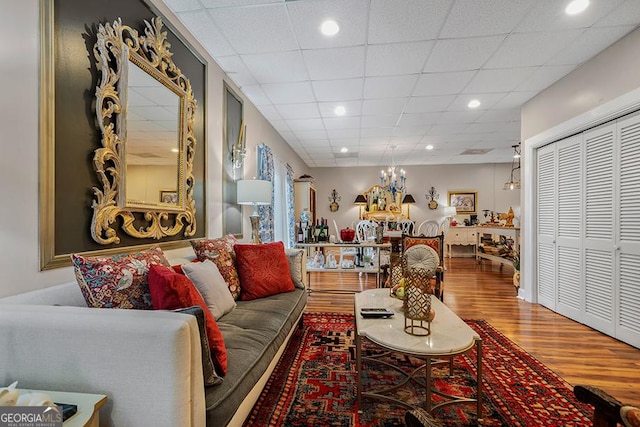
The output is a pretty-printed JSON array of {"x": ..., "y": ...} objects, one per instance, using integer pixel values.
[
  {"x": 148, "y": 363},
  {"x": 606, "y": 408}
]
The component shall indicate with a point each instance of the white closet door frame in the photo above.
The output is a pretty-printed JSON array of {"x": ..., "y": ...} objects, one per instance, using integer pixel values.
[{"x": 603, "y": 113}]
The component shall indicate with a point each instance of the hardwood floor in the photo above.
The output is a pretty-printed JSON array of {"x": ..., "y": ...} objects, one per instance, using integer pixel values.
[{"x": 576, "y": 352}]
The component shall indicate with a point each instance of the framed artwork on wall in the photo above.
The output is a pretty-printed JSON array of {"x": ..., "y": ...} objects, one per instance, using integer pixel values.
[
  {"x": 465, "y": 202},
  {"x": 232, "y": 165}
]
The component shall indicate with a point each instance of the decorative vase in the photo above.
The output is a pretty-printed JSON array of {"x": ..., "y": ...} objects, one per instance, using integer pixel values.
[
  {"x": 417, "y": 302},
  {"x": 347, "y": 234}
]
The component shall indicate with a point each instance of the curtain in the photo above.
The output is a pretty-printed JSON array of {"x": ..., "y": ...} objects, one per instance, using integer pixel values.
[
  {"x": 265, "y": 171},
  {"x": 291, "y": 218}
]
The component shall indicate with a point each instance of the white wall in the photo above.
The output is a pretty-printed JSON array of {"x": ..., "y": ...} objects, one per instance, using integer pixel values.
[
  {"x": 486, "y": 179},
  {"x": 19, "y": 68}
]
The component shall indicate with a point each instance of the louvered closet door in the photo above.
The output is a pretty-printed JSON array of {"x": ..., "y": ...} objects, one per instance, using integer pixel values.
[
  {"x": 570, "y": 289},
  {"x": 599, "y": 229},
  {"x": 546, "y": 226},
  {"x": 628, "y": 326}
]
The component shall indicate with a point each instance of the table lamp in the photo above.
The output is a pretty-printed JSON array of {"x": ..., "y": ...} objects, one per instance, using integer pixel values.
[
  {"x": 408, "y": 200},
  {"x": 360, "y": 201},
  {"x": 254, "y": 192}
]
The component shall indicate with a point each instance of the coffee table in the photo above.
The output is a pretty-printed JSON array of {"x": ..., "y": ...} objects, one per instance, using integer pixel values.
[{"x": 450, "y": 336}]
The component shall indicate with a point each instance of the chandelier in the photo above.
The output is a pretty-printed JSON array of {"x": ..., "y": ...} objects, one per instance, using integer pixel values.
[
  {"x": 512, "y": 184},
  {"x": 395, "y": 178}
]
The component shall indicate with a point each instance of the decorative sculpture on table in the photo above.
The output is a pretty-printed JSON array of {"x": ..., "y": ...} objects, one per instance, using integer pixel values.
[{"x": 9, "y": 395}]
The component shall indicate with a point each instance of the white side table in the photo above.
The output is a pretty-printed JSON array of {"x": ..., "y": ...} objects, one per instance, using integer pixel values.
[{"x": 89, "y": 405}]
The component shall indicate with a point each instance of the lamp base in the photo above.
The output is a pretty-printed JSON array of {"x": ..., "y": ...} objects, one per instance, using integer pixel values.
[{"x": 255, "y": 229}]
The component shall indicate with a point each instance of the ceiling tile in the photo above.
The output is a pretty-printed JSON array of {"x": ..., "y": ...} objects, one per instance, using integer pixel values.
[
  {"x": 459, "y": 117},
  {"x": 376, "y": 132},
  {"x": 383, "y": 106},
  {"x": 411, "y": 130},
  {"x": 270, "y": 113},
  {"x": 235, "y": 3},
  {"x": 418, "y": 119},
  {"x": 183, "y": 5},
  {"x": 470, "y": 18},
  {"x": 342, "y": 123},
  {"x": 430, "y": 84},
  {"x": 549, "y": 15},
  {"x": 488, "y": 100},
  {"x": 307, "y": 16},
  {"x": 335, "y": 63},
  {"x": 305, "y": 124},
  {"x": 380, "y": 120},
  {"x": 428, "y": 104},
  {"x": 276, "y": 67},
  {"x": 343, "y": 133},
  {"x": 298, "y": 111},
  {"x": 257, "y": 96},
  {"x": 397, "y": 58},
  {"x": 236, "y": 70},
  {"x": 447, "y": 129},
  {"x": 514, "y": 99},
  {"x": 338, "y": 90},
  {"x": 496, "y": 115},
  {"x": 531, "y": 49},
  {"x": 589, "y": 44},
  {"x": 628, "y": 13},
  {"x": 353, "y": 108},
  {"x": 471, "y": 53},
  {"x": 543, "y": 77},
  {"x": 389, "y": 87},
  {"x": 289, "y": 93},
  {"x": 306, "y": 135},
  {"x": 406, "y": 20},
  {"x": 202, "y": 27},
  {"x": 269, "y": 24},
  {"x": 501, "y": 80}
]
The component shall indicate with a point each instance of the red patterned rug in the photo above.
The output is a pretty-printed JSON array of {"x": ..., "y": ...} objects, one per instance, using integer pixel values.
[{"x": 314, "y": 384}]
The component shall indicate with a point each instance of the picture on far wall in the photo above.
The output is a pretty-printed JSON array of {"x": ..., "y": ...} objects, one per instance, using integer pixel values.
[{"x": 465, "y": 202}]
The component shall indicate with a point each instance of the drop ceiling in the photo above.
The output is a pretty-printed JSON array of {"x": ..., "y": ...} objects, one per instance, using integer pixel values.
[{"x": 404, "y": 70}]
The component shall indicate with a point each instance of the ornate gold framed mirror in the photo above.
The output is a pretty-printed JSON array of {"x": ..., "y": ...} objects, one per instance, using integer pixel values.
[
  {"x": 382, "y": 204},
  {"x": 145, "y": 110}
]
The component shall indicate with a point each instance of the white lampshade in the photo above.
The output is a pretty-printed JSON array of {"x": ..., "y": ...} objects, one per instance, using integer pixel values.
[
  {"x": 253, "y": 192},
  {"x": 449, "y": 211}
]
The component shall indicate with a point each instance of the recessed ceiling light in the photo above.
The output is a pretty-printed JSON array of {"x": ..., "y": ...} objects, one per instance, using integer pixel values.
[
  {"x": 474, "y": 103},
  {"x": 344, "y": 149},
  {"x": 576, "y": 7},
  {"x": 330, "y": 27},
  {"x": 340, "y": 110},
  {"x": 175, "y": 150},
  {"x": 429, "y": 147}
]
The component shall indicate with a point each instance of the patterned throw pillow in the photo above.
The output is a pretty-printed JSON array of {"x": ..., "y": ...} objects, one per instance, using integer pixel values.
[
  {"x": 222, "y": 253},
  {"x": 118, "y": 281},
  {"x": 263, "y": 269},
  {"x": 171, "y": 290}
]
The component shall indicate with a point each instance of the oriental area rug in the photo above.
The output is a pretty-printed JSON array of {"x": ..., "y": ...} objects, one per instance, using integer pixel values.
[{"x": 314, "y": 384}]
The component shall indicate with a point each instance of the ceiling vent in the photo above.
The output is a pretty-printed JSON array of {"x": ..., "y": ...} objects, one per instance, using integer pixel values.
[
  {"x": 345, "y": 155},
  {"x": 475, "y": 151}
]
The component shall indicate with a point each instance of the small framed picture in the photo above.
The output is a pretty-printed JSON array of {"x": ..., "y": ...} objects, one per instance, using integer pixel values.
[
  {"x": 169, "y": 197},
  {"x": 464, "y": 201}
]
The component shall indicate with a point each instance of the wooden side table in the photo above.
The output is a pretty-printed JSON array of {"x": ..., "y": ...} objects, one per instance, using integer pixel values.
[{"x": 89, "y": 405}]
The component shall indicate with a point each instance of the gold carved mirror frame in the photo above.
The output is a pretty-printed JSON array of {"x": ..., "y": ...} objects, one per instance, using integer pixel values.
[{"x": 118, "y": 47}]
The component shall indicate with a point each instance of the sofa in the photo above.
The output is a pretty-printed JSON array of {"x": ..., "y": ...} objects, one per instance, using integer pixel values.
[{"x": 148, "y": 362}]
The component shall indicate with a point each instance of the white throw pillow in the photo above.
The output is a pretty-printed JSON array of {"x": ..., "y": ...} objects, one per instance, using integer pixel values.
[
  {"x": 295, "y": 259},
  {"x": 214, "y": 290}
]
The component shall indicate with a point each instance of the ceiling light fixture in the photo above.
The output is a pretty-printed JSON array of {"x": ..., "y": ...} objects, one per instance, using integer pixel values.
[
  {"x": 344, "y": 149},
  {"x": 329, "y": 27},
  {"x": 576, "y": 7},
  {"x": 474, "y": 103},
  {"x": 394, "y": 179},
  {"x": 339, "y": 110},
  {"x": 429, "y": 147},
  {"x": 512, "y": 184}
]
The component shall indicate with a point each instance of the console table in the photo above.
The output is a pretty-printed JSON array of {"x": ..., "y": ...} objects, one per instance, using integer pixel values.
[
  {"x": 343, "y": 249},
  {"x": 461, "y": 235},
  {"x": 512, "y": 232}
]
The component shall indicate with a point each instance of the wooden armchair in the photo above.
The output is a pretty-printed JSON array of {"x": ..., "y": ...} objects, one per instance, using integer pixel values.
[{"x": 606, "y": 408}]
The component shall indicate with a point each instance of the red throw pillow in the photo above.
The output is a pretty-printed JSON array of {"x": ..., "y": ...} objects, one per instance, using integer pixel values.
[
  {"x": 263, "y": 270},
  {"x": 171, "y": 290}
]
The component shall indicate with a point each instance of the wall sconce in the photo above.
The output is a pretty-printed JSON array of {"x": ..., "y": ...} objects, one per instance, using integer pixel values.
[
  {"x": 239, "y": 149},
  {"x": 254, "y": 192},
  {"x": 408, "y": 200},
  {"x": 432, "y": 196},
  {"x": 360, "y": 201},
  {"x": 334, "y": 198}
]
